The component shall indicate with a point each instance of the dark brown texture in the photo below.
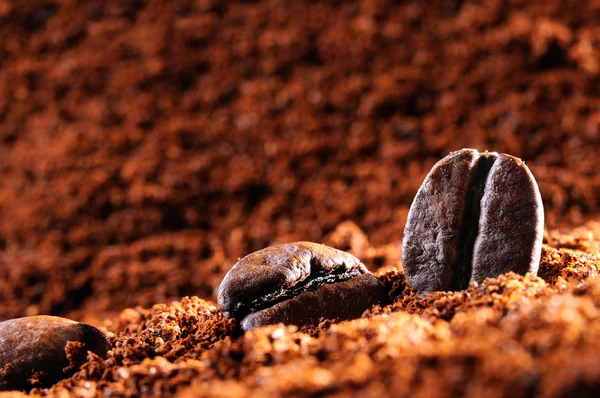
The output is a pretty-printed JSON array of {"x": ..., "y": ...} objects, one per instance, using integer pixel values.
[
  {"x": 146, "y": 146},
  {"x": 38, "y": 351},
  {"x": 476, "y": 215},
  {"x": 297, "y": 283}
]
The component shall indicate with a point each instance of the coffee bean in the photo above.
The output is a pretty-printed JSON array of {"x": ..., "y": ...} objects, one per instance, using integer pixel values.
[
  {"x": 38, "y": 351},
  {"x": 476, "y": 215},
  {"x": 298, "y": 283}
]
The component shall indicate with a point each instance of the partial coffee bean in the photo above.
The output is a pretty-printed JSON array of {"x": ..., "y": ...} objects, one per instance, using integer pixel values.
[
  {"x": 298, "y": 283},
  {"x": 38, "y": 351},
  {"x": 476, "y": 215}
]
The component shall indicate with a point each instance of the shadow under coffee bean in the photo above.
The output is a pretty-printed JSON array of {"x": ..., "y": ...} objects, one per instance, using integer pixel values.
[
  {"x": 38, "y": 351},
  {"x": 298, "y": 283},
  {"x": 476, "y": 215}
]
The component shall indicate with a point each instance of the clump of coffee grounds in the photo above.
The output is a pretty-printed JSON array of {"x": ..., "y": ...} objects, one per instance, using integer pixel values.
[{"x": 146, "y": 146}]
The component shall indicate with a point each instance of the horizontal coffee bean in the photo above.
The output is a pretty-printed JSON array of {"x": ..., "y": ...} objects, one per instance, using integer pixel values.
[
  {"x": 476, "y": 215},
  {"x": 34, "y": 350},
  {"x": 297, "y": 283}
]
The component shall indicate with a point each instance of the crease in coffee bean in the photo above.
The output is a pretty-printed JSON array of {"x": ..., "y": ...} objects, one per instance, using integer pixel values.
[
  {"x": 348, "y": 299},
  {"x": 470, "y": 223},
  {"x": 322, "y": 278}
]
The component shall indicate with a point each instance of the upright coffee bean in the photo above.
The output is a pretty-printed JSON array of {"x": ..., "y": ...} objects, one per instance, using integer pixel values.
[
  {"x": 35, "y": 351},
  {"x": 298, "y": 283},
  {"x": 476, "y": 215}
]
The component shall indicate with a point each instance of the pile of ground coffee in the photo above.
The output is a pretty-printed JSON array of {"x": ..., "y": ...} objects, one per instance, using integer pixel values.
[{"x": 146, "y": 146}]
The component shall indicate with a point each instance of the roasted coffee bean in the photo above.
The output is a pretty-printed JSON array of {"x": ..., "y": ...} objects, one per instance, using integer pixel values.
[
  {"x": 298, "y": 283},
  {"x": 476, "y": 215},
  {"x": 38, "y": 351}
]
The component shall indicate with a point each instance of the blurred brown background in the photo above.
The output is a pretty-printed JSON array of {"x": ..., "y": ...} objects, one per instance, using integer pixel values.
[{"x": 146, "y": 145}]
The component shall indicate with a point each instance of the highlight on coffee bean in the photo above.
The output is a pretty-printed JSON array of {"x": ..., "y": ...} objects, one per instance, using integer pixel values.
[{"x": 476, "y": 215}]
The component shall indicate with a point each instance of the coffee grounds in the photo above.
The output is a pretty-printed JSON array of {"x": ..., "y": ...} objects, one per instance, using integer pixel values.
[
  {"x": 510, "y": 336},
  {"x": 147, "y": 146}
]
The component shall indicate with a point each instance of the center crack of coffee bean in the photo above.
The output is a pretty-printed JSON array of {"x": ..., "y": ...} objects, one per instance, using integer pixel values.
[
  {"x": 469, "y": 230},
  {"x": 311, "y": 283}
]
